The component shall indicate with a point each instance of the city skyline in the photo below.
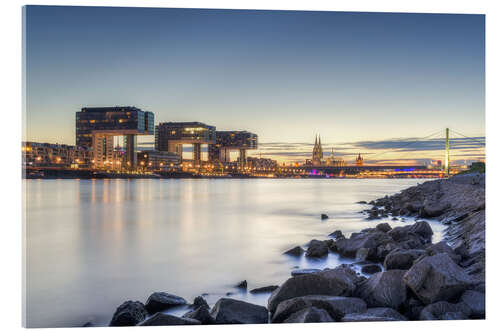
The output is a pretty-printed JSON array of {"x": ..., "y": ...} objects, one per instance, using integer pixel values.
[{"x": 361, "y": 80}]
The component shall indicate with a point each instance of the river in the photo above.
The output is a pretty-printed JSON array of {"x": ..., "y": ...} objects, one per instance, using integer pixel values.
[{"x": 93, "y": 244}]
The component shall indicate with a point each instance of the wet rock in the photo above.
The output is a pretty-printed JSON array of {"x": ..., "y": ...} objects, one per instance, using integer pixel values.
[
  {"x": 324, "y": 216},
  {"x": 435, "y": 209},
  {"x": 445, "y": 311},
  {"x": 437, "y": 278},
  {"x": 335, "y": 306},
  {"x": 202, "y": 314},
  {"x": 401, "y": 258},
  {"x": 370, "y": 269},
  {"x": 411, "y": 308},
  {"x": 362, "y": 202},
  {"x": 309, "y": 315},
  {"x": 129, "y": 313},
  {"x": 242, "y": 285},
  {"x": 160, "y": 301},
  {"x": 375, "y": 314},
  {"x": 303, "y": 271},
  {"x": 349, "y": 247},
  {"x": 384, "y": 227},
  {"x": 340, "y": 281},
  {"x": 385, "y": 249},
  {"x": 266, "y": 289},
  {"x": 317, "y": 249},
  {"x": 384, "y": 289},
  {"x": 231, "y": 311},
  {"x": 296, "y": 251},
  {"x": 422, "y": 229},
  {"x": 475, "y": 301},
  {"x": 199, "y": 301},
  {"x": 162, "y": 319},
  {"x": 442, "y": 247},
  {"x": 337, "y": 234},
  {"x": 363, "y": 254}
]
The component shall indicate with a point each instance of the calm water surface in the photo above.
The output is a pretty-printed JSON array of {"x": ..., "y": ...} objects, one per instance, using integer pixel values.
[{"x": 92, "y": 244}]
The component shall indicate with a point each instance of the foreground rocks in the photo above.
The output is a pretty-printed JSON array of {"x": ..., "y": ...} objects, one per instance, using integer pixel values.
[
  {"x": 129, "y": 313},
  {"x": 231, "y": 311},
  {"x": 161, "y": 301}
]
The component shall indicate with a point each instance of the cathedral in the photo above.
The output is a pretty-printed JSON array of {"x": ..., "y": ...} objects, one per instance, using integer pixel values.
[{"x": 317, "y": 156}]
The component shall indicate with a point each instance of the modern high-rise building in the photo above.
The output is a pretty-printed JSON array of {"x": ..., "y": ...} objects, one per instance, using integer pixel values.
[
  {"x": 227, "y": 141},
  {"x": 96, "y": 128}
]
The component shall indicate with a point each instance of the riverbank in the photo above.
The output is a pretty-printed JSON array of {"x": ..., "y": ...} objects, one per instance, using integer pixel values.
[{"x": 406, "y": 276}]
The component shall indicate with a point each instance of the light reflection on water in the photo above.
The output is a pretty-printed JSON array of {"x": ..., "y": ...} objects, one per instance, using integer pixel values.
[{"x": 92, "y": 244}]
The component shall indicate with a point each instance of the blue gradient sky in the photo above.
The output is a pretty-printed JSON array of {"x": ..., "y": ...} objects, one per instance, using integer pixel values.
[{"x": 353, "y": 77}]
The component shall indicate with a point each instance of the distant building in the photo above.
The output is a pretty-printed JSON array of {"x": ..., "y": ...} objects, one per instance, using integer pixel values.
[
  {"x": 55, "y": 155},
  {"x": 317, "y": 154},
  {"x": 158, "y": 160},
  {"x": 335, "y": 161},
  {"x": 359, "y": 160},
  {"x": 261, "y": 164},
  {"x": 227, "y": 141}
]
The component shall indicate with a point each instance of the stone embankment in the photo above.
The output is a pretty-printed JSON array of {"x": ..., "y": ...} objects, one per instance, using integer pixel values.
[{"x": 409, "y": 277}]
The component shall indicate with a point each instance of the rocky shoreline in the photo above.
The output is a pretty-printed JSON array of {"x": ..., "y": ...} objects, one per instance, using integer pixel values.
[{"x": 407, "y": 276}]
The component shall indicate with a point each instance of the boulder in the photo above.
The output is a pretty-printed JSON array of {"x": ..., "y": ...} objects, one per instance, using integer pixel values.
[
  {"x": 383, "y": 289},
  {"x": 411, "y": 308},
  {"x": 340, "y": 281},
  {"x": 362, "y": 202},
  {"x": 475, "y": 301},
  {"x": 296, "y": 251},
  {"x": 324, "y": 216},
  {"x": 309, "y": 315},
  {"x": 445, "y": 311},
  {"x": 160, "y": 301},
  {"x": 266, "y": 289},
  {"x": 162, "y": 319},
  {"x": 363, "y": 254},
  {"x": 435, "y": 209},
  {"x": 242, "y": 285},
  {"x": 401, "y": 258},
  {"x": 384, "y": 227},
  {"x": 337, "y": 234},
  {"x": 199, "y": 301},
  {"x": 129, "y": 313},
  {"x": 317, "y": 249},
  {"x": 385, "y": 249},
  {"x": 370, "y": 269},
  {"x": 231, "y": 311},
  {"x": 302, "y": 271},
  {"x": 437, "y": 278},
  {"x": 442, "y": 247},
  {"x": 349, "y": 246},
  {"x": 335, "y": 306},
  {"x": 202, "y": 314},
  {"x": 375, "y": 314},
  {"x": 422, "y": 229}
]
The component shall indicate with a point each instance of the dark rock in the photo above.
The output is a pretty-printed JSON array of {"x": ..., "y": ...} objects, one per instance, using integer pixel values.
[
  {"x": 335, "y": 306},
  {"x": 162, "y": 319},
  {"x": 442, "y": 247},
  {"x": 363, "y": 254},
  {"x": 411, "y": 308},
  {"x": 303, "y": 271},
  {"x": 129, "y": 313},
  {"x": 384, "y": 289},
  {"x": 421, "y": 228},
  {"x": 435, "y": 209},
  {"x": 362, "y": 202},
  {"x": 384, "y": 227},
  {"x": 370, "y": 269},
  {"x": 202, "y": 314},
  {"x": 199, "y": 301},
  {"x": 337, "y": 234},
  {"x": 401, "y": 258},
  {"x": 242, "y": 285},
  {"x": 266, "y": 289},
  {"x": 324, "y": 216},
  {"x": 296, "y": 251},
  {"x": 375, "y": 314},
  {"x": 445, "y": 311},
  {"x": 309, "y": 315},
  {"x": 437, "y": 278},
  {"x": 476, "y": 302},
  {"x": 231, "y": 311},
  {"x": 317, "y": 249},
  {"x": 160, "y": 301},
  {"x": 349, "y": 247},
  {"x": 385, "y": 249},
  {"x": 340, "y": 281}
]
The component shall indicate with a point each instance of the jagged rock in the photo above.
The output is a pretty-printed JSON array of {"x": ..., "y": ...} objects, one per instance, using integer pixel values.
[
  {"x": 231, "y": 311},
  {"x": 162, "y": 319},
  {"x": 335, "y": 306},
  {"x": 337, "y": 234},
  {"x": 296, "y": 251},
  {"x": 309, "y": 315},
  {"x": 422, "y": 229},
  {"x": 362, "y": 202},
  {"x": 476, "y": 302},
  {"x": 324, "y": 216},
  {"x": 370, "y": 269},
  {"x": 242, "y": 285},
  {"x": 435, "y": 209},
  {"x": 340, "y": 281},
  {"x": 411, "y": 308},
  {"x": 401, "y": 258},
  {"x": 130, "y": 313},
  {"x": 437, "y": 278},
  {"x": 384, "y": 289},
  {"x": 445, "y": 311},
  {"x": 302, "y": 271},
  {"x": 349, "y": 247},
  {"x": 160, "y": 301},
  {"x": 384, "y": 227},
  {"x": 317, "y": 249},
  {"x": 442, "y": 247},
  {"x": 385, "y": 249},
  {"x": 363, "y": 254},
  {"x": 266, "y": 289},
  {"x": 375, "y": 314},
  {"x": 202, "y": 314},
  {"x": 199, "y": 301}
]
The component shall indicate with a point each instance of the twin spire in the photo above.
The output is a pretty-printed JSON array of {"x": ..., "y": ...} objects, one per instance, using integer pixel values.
[{"x": 317, "y": 150}]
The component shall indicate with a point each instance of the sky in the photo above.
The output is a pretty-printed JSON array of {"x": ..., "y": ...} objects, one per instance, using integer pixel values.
[{"x": 369, "y": 83}]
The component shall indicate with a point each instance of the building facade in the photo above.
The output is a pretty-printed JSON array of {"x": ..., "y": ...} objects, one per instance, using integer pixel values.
[
  {"x": 158, "y": 160},
  {"x": 227, "y": 141},
  {"x": 317, "y": 153},
  {"x": 55, "y": 155}
]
